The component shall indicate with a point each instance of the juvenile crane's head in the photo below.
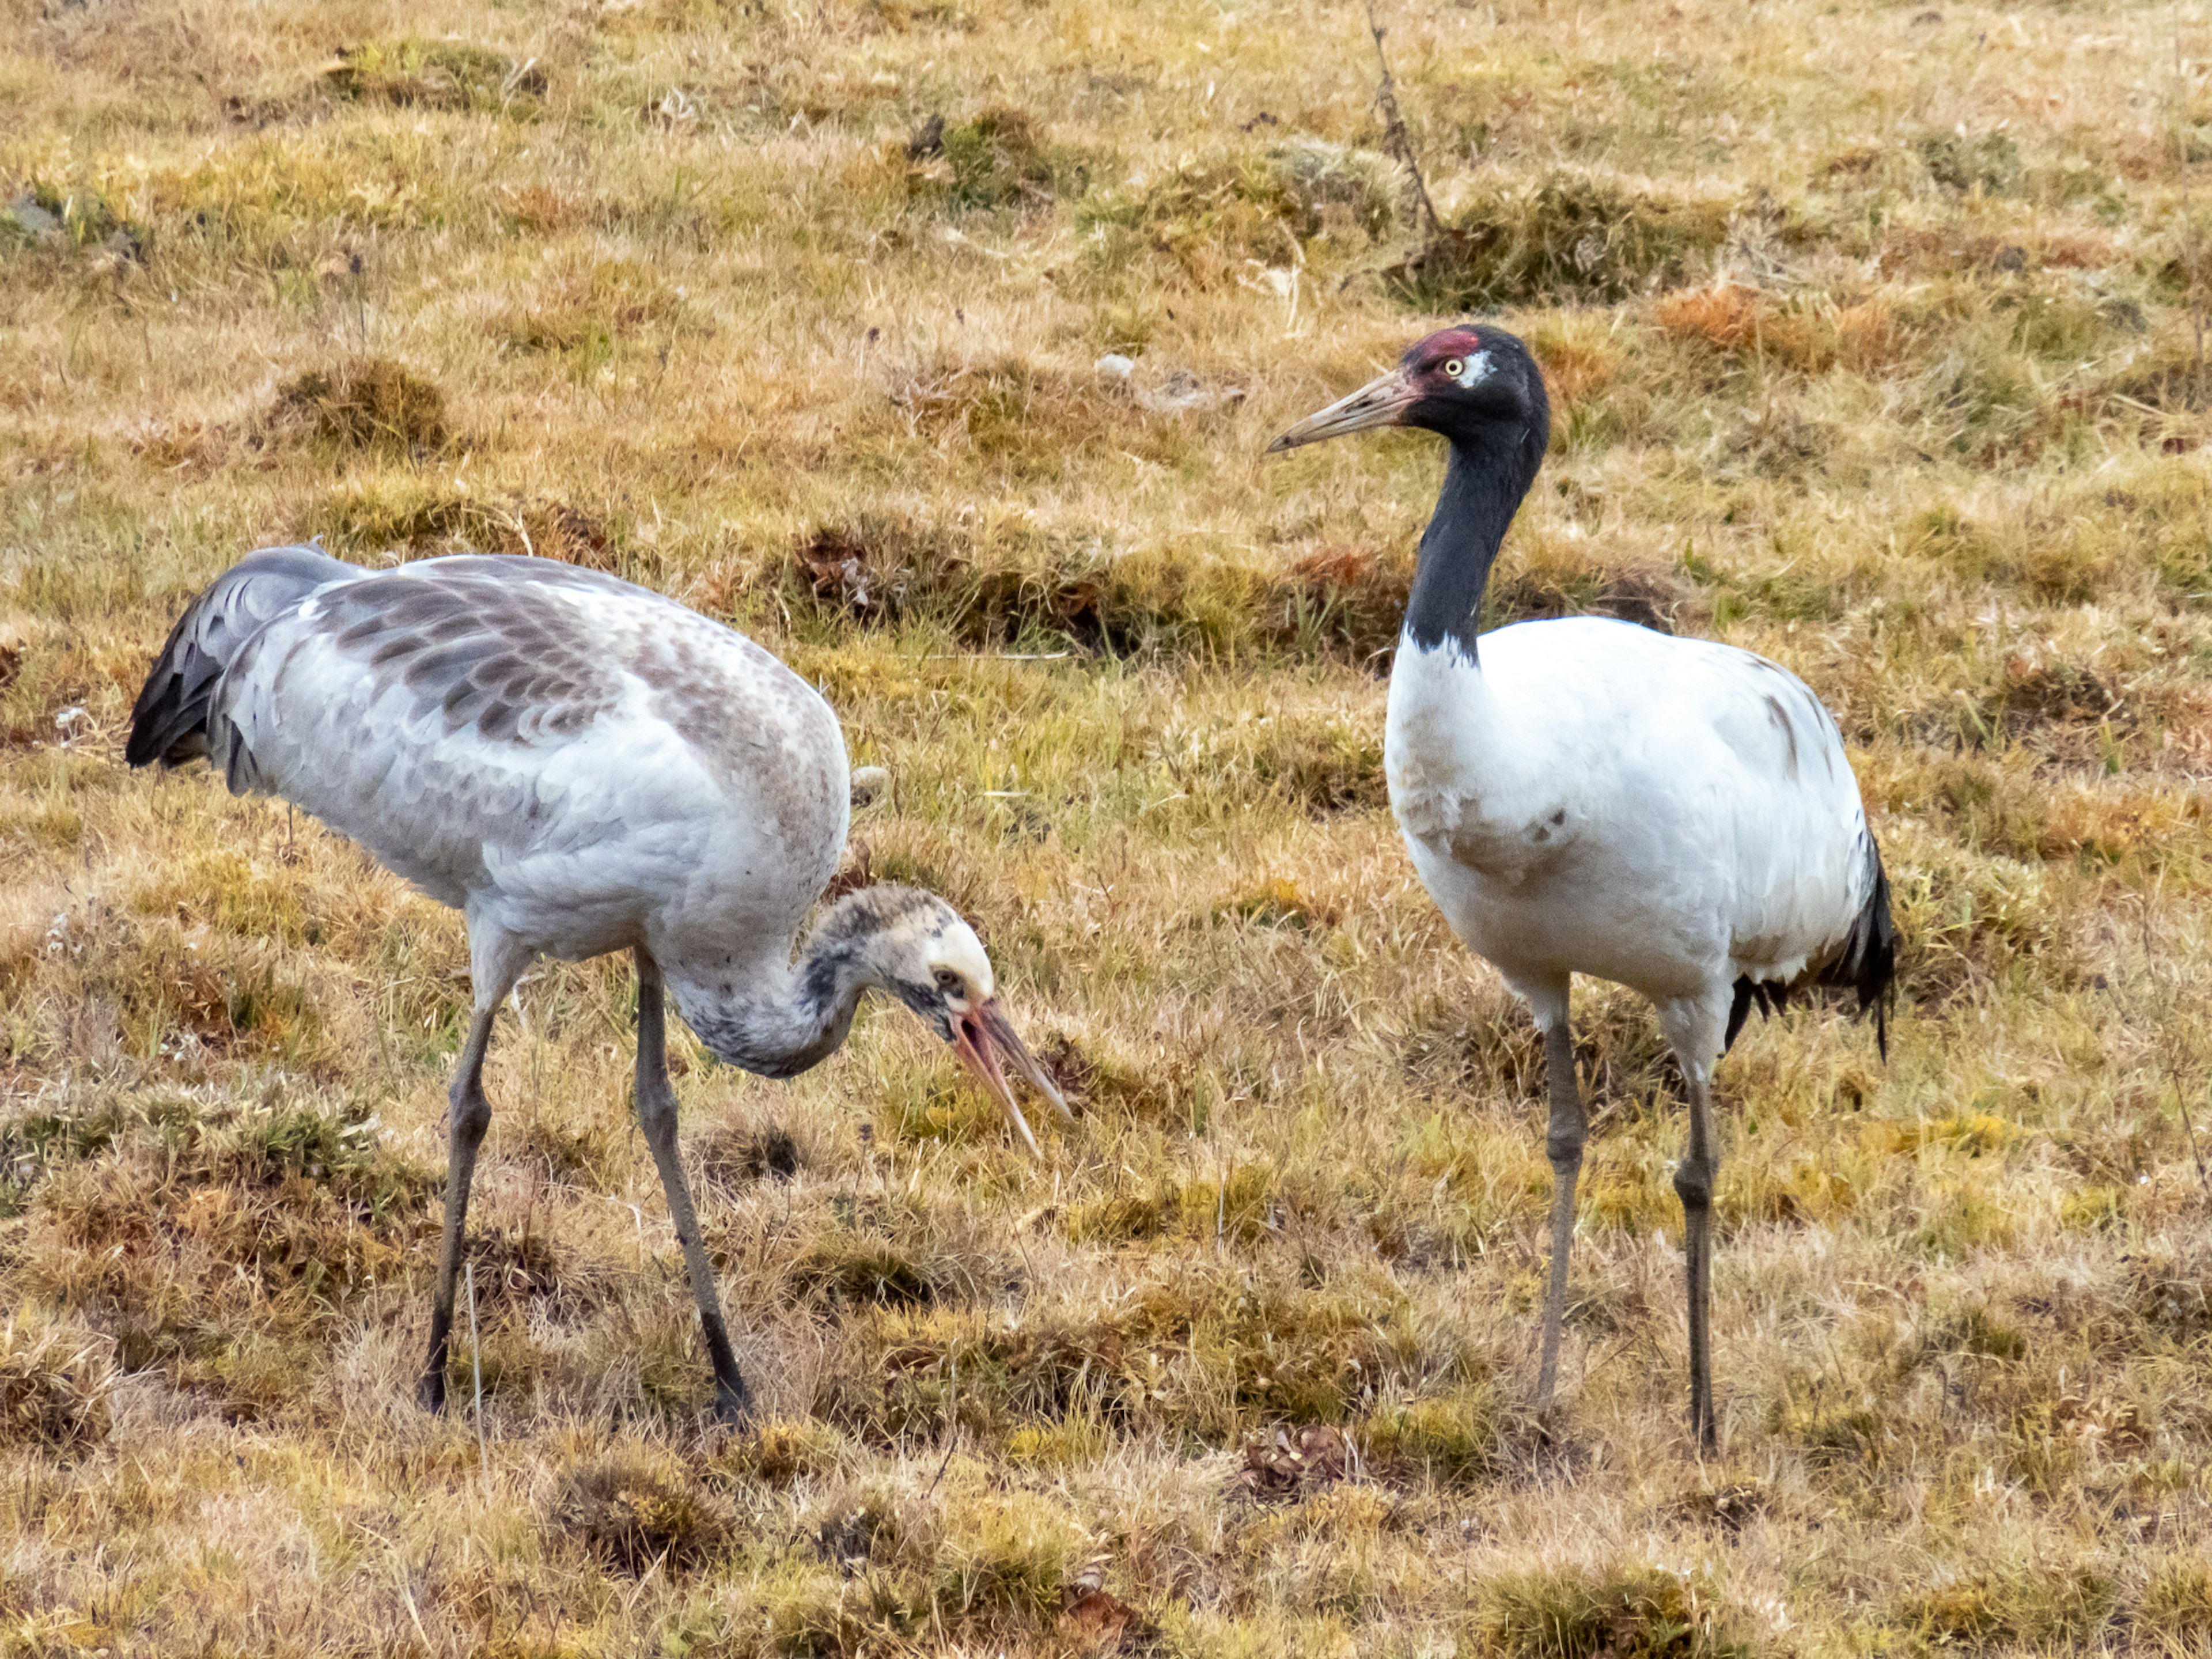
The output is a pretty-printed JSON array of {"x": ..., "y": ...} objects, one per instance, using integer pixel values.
[
  {"x": 1471, "y": 384},
  {"x": 920, "y": 950}
]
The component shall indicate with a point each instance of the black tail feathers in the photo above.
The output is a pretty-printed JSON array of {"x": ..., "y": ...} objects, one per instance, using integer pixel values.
[
  {"x": 1867, "y": 963},
  {"x": 168, "y": 724}
]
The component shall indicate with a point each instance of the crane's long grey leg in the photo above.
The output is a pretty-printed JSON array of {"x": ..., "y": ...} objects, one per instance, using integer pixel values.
[
  {"x": 469, "y": 1116},
  {"x": 656, "y": 1115},
  {"x": 1695, "y": 1178},
  {"x": 1569, "y": 1127}
]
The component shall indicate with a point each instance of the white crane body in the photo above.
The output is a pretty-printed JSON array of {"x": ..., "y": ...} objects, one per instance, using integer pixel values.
[{"x": 1587, "y": 796}]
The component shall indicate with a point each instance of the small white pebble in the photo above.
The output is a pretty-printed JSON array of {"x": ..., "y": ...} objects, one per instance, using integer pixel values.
[{"x": 1114, "y": 366}]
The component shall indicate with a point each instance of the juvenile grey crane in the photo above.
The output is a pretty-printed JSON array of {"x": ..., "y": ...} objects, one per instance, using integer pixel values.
[
  {"x": 1584, "y": 796},
  {"x": 579, "y": 766}
]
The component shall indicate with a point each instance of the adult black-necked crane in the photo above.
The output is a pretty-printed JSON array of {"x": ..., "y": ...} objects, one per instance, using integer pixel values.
[
  {"x": 1585, "y": 796},
  {"x": 579, "y": 766}
]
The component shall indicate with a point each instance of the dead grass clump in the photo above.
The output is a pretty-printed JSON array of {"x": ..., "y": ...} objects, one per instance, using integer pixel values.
[
  {"x": 407, "y": 512},
  {"x": 54, "y": 1387},
  {"x": 34, "y": 1145},
  {"x": 1012, "y": 584},
  {"x": 847, "y": 1269},
  {"x": 735, "y": 1158},
  {"x": 520, "y": 1263},
  {"x": 1212, "y": 1354},
  {"x": 222, "y": 1241},
  {"x": 1324, "y": 769},
  {"x": 1212, "y": 219},
  {"x": 1277, "y": 902},
  {"x": 998, "y": 159},
  {"x": 2035, "y": 693},
  {"x": 2177, "y": 1602},
  {"x": 444, "y": 74},
  {"x": 585, "y": 1158},
  {"x": 2165, "y": 380},
  {"x": 1566, "y": 576},
  {"x": 893, "y": 1252},
  {"x": 1871, "y": 338},
  {"x": 1968, "y": 921},
  {"x": 779, "y": 1450},
  {"x": 1006, "y": 1570},
  {"x": 1737, "y": 321},
  {"x": 584, "y": 313},
  {"x": 880, "y": 571},
  {"x": 1093, "y": 1081},
  {"x": 1573, "y": 237},
  {"x": 1033, "y": 419},
  {"x": 636, "y": 1510},
  {"x": 1985, "y": 163},
  {"x": 365, "y": 404},
  {"x": 2031, "y": 1605},
  {"x": 1447, "y": 1437},
  {"x": 1346, "y": 600},
  {"x": 1625, "y": 1611},
  {"x": 2166, "y": 1291},
  {"x": 1579, "y": 368}
]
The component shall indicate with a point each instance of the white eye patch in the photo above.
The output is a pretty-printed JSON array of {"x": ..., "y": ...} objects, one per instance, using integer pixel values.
[{"x": 1477, "y": 366}]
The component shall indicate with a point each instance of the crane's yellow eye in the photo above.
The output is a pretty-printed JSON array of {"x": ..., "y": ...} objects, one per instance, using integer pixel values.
[{"x": 1454, "y": 368}]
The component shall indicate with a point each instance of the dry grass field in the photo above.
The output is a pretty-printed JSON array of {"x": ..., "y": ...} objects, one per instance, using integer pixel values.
[{"x": 1875, "y": 331}]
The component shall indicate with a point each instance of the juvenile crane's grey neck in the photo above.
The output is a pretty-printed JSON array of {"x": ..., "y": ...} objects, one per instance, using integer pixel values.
[
  {"x": 773, "y": 1019},
  {"x": 1485, "y": 479}
]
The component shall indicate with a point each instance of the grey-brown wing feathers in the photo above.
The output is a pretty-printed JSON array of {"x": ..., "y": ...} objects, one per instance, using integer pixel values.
[{"x": 478, "y": 647}]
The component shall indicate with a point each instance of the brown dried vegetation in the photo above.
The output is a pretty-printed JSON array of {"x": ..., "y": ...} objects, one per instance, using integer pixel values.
[{"x": 1872, "y": 341}]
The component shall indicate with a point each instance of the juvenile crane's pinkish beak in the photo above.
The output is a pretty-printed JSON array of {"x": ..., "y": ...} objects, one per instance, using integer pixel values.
[
  {"x": 1383, "y": 401},
  {"x": 980, "y": 1037}
]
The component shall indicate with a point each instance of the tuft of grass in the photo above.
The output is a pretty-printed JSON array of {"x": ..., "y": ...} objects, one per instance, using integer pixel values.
[
  {"x": 55, "y": 1386},
  {"x": 1007, "y": 1568},
  {"x": 1279, "y": 205},
  {"x": 1632, "y": 1610},
  {"x": 2031, "y": 1604},
  {"x": 441, "y": 75},
  {"x": 1450, "y": 1438},
  {"x": 1572, "y": 236},
  {"x": 2176, "y": 1602},
  {"x": 998, "y": 159},
  {"x": 1983, "y": 163},
  {"x": 638, "y": 1510},
  {"x": 364, "y": 404}
]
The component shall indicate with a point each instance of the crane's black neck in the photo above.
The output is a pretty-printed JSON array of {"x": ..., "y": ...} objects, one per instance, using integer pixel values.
[{"x": 1489, "y": 473}]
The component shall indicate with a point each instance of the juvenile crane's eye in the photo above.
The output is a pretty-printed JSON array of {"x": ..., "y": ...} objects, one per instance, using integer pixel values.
[
  {"x": 1454, "y": 368},
  {"x": 949, "y": 983}
]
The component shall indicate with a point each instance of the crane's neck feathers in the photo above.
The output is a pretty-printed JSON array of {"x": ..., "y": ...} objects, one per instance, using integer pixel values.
[
  {"x": 1489, "y": 473},
  {"x": 778, "y": 1018}
]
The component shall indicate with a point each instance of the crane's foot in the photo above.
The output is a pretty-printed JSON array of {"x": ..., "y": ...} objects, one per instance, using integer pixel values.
[{"x": 430, "y": 1392}]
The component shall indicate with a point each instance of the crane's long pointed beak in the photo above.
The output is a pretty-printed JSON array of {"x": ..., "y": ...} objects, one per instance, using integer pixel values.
[
  {"x": 1383, "y": 401},
  {"x": 982, "y": 1037}
]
